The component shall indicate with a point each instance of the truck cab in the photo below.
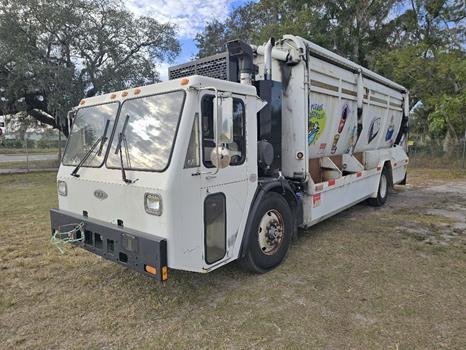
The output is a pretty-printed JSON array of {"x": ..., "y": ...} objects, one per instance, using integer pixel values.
[{"x": 154, "y": 173}]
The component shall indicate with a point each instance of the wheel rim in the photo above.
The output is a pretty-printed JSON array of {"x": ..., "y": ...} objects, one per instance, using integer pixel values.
[
  {"x": 383, "y": 186},
  {"x": 271, "y": 232}
]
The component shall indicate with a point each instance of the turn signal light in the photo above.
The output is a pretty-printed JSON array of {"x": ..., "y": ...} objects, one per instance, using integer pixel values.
[
  {"x": 164, "y": 273},
  {"x": 150, "y": 269}
]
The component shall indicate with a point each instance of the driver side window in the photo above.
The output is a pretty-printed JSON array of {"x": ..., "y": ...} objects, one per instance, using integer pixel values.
[{"x": 238, "y": 146}]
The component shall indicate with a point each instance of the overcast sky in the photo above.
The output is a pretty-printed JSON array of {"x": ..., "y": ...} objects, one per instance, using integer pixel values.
[{"x": 190, "y": 16}]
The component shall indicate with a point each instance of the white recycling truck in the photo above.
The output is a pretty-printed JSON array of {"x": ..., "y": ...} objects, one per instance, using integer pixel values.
[{"x": 227, "y": 159}]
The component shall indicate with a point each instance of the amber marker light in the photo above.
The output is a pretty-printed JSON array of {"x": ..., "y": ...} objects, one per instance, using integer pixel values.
[
  {"x": 113, "y": 96},
  {"x": 124, "y": 93},
  {"x": 184, "y": 81},
  {"x": 82, "y": 102},
  {"x": 150, "y": 269},
  {"x": 164, "y": 273},
  {"x": 137, "y": 91}
]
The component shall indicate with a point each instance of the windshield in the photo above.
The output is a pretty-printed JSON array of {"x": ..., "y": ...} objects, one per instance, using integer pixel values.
[
  {"x": 88, "y": 127},
  {"x": 150, "y": 132}
]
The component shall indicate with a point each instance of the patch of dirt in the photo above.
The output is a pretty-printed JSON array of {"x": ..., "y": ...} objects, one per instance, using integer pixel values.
[{"x": 434, "y": 215}]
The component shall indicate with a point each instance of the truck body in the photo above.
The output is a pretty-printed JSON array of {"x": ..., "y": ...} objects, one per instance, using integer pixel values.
[{"x": 228, "y": 158}]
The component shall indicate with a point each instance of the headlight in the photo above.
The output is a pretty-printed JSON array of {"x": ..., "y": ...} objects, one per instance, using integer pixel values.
[
  {"x": 153, "y": 204},
  {"x": 62, "y": 188}
]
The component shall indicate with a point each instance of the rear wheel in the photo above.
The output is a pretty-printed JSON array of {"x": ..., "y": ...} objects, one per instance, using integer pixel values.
[
  {"x": 270, "y": 234},
  {"x": 382, "y": 192}
]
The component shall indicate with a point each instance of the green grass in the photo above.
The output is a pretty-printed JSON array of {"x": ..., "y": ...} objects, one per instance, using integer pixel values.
[
  {"x": 353, "y": 281},
  {"x": 436, "y": 161},
  {"x": 5, "y": 150},
  {"x": 421, "y": 176},
  {"x": 34, "y": 164}
]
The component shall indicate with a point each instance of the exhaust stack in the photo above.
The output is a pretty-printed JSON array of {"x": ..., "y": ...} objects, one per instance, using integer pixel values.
[
  {"x": 242, "y": 52},
  {"x": 268, "y": 59}
]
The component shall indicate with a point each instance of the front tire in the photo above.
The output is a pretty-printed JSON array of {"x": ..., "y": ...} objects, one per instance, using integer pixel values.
[
  {"x": 382, "y": 192},
  {"x": 270, "y": 234}
]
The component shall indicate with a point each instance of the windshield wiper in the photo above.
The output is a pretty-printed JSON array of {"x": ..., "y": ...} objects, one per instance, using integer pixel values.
[
  {"x": 100, "y": 140},
  {"x": 122, "y": 138}
]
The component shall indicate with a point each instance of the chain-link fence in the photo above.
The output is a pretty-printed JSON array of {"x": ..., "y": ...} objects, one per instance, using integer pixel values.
[
  {"x": 438, "y": 153},
  {"x": 37, "y": 151},
  {"x": 31, "y": 151}
]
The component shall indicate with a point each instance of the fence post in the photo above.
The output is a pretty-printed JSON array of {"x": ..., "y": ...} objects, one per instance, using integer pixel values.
[
  {"x": 59, "y": 147},
  {"x": 27, "y": 151},
  {"x": 464, "y": 148}
]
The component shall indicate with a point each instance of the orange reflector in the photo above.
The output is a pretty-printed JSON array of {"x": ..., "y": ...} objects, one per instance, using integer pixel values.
[
  {"x": 150, "y": 269},
  {"x": 137, "y": 91},
  {"x": 113, "y": 96},
  {"x": 164, "y": 273},
  {"x": 184, "y": 81},
  {"x": 82, "y": 102},
  {"x": 124, "y": 93}
]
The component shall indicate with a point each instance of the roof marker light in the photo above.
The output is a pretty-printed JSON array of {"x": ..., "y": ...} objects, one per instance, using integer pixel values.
[
  {"x": 137, "y": 91},
  {"x": 124, "y": 93},
  {"x": 82, "y": 102},
  {"x": 113, "y": 96},
  {"x": 184, "y": 81}
]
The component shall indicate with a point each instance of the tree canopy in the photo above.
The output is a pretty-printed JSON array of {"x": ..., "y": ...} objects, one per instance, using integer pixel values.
[
  {"x": 418, "y": 43},
  {"x": 54, "y": 52}
]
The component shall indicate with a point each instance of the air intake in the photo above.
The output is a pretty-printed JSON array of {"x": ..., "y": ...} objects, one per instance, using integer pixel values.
[{"x": 217, "y": 66}]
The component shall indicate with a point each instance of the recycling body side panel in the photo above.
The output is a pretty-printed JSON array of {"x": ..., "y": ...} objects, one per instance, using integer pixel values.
[{"x": 333, "y": 114}]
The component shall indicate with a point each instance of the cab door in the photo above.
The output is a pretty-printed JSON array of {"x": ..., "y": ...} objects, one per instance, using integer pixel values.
[{"x": 224, "y": 192}]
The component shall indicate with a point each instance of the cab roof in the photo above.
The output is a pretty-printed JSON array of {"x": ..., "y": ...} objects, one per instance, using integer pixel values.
[{"x": 193, "y": 81}]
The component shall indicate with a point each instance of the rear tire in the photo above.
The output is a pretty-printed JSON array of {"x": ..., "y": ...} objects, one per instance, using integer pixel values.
[
  {"x": 270, "y": 234},
  {"x": 382, "y": 192}
]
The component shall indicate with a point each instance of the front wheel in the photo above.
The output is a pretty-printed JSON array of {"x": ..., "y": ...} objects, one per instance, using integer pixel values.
[
  {"x": 270, "y": 234},
  {"x": 382, "y": 192}
]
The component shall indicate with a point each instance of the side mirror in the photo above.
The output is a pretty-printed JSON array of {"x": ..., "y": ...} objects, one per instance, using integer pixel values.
[
  {"x": 71, "y": 115},
  {"x": 223, "y": 119},
  {"x": 220, "y": 157}
]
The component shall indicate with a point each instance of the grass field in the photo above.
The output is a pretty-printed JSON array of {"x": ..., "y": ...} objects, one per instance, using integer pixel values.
[
  {"x": 33, "y": 164},
  {"x": 388, "y": 278},
  {"x": 6, "y": 150}
]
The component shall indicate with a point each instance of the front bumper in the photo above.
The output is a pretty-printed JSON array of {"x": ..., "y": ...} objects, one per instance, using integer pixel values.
[{"x": 134, "y": 249}]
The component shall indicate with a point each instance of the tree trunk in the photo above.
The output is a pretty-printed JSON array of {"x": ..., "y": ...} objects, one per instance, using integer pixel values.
[{"x": 449, "y": 144}]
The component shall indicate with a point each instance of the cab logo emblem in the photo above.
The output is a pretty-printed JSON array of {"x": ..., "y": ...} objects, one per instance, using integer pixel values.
[{"x": 99, "y": 194}]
